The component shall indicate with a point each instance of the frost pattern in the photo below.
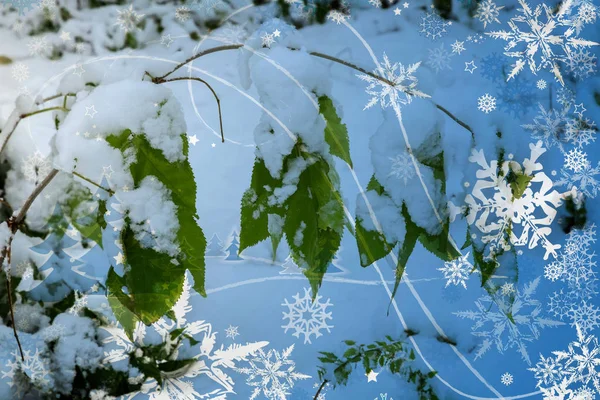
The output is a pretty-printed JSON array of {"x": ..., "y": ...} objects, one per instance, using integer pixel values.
[{"x": 307, "y": 317}]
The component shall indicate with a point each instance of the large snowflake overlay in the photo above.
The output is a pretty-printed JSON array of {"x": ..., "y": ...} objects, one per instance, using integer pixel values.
[
  {"x": 549, "y": 126},
  {"x": 210, "y": 362},
  {"x": 307, "y": 317},
  {"x": 578, "y": 366},
  {"x": 516, "y": 97},
  {"x": 585, "y": 180},
  {"x": 272, "y": 373},
  {"x": 457, "y": 271},
  {"x": 401, "y": 88},
  {"x": 495, "y": 211},
  {"x": 34, "y": 366},
  {"x": 509, "y": 322},
  {"x": 22, "y": 5},
  {"x": 547, "y": 44},
  {"x": 403, "y": 167}
]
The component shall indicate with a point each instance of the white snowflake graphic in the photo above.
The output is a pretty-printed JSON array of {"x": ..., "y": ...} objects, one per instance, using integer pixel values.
[
  {"x": 579, "y": 365},
  {"x": 38, "y": 46},
  {"x": 541, "y": 84},
  {"x": 585, "y": 316},
  {"x": 36, "y": 167},
  {"x": 20, "y": 72},
  {"x": 439, "y": 58},
  {"x": 585, "y": 180},
  {"x": 488, "y": 12},
  {"x": 128, "y": 19},
  {"x": 403, "y": 167},
  {"x": 337, "y": 16},
  {"x": 486, "y": 103},
  {"x": 231, "y": 332},
  {"x": 182, "y": 13},
  {"x": 457, "y": 271},
  {"x": 36, "y": 369},
  {"x": 506, "y": 379},
  {"x": 576, "y": 160},
  {"x": 432, "y": 25},
  {"x": 458, "y": 47},
  {"x": 549, "y": 126},
  {"x": 210, "y": 362},
  {"x": 509, "y": 324},
  {"x": 581, "y": 63},
  {"x": 580, "y": 131},
  {"x": 547, "y": 44},
  {"x": 510, "y": 214},
  {"x": 272, "y": 373},
  {"x": 307, "y": 317},
  {"x": 267, "y": 39},
  {"x": 401, "y": 88}
]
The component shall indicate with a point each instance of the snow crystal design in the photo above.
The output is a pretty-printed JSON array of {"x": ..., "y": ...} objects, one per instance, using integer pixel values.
[
  {"x": 128, "y": 19},
  {"x": 581, "y": 64},
  {"x": 506, "y": 379},
  {"x": 35, "y": 367},
  {"x": 210, "y": 362},
  {"x": 565, "y": 97},
  {"x": 36, "y": 167},
  {"x": 400, "y": 87},
  {"x": 575, "y": 160},
  {"x": 231, "y": 332},
  {"x": 22, "y": 5},
  {"x": 580, "y": 364},
  {"x": 439, "y": 58},
  {"x": 432, "y": 25},
  {"x": 458, "y": 47},
  {"x": 38, "y": 46},
  {"x": 541, "y": 84},
  {"x": 307, "y": 317},
  {"x": 457, "y": 271},
  {"x": 492, "y": 67},
  {"x": 182, "y": 13},
  {"x": 272, "y": 373},
  {"x": 585, "y": 316},
  {"x": 403, "y": 167},
  {"x": 499, "y": 215},
  {"x": 486, "y": 103},
  {"x": 516, "y": 97},
  {"x": 20, "y": 72},
  {"x": 580, "y": 131},
  {"x": 509, "y": 323},
  {"x": 585, "y": 180},
  {"x": 543, "y": 41},
  {"x": 488, "y": 12},
  {"x": 549, "y": 126}
]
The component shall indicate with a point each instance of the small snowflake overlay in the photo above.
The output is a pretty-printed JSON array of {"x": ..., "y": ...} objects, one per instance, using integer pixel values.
[
  {"x": 35, "y": 366},
  {"x": 39, "y": 46},
  {"x": 458, "y": 47},
  {"x": 456, "y": 272},
  {"x": 432, "y": 25},
  {"x": 307, "y": 317},
  {"x": 506, "y": 379},
  {"x": 509, "y": 213},
  {"x": 128, "y": 19},
  {"x": 488, "y": 12},
  {"x": 383, "y": 396},
  {"x": 486, "y": 103},
  {"x": 20, "y": 72},
  {"x": 36, "y": 167},
  {"x": 231, "y": 332},
  {"x": 569, "y": 374},
  {"x": 439, "y": 58},
  {"x": 576, "y": 160},
  {"x": 182, "y": 13},
  {"x": 509, "y": 323},
  {"x": 403, "y": 167},
  {"x": 544, "y": 42},
  {"x": 401, "y": 88},
  {"x": 272, "y": 373},
  {"x": 541, "y": 84}
]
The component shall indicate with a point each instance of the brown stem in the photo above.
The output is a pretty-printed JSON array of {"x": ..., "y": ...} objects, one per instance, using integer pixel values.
[
  {"x": 36, "y": 192},
  {"x": 85, "y": 178},
  {"x": 56, "y": 96},
  {"x": 26, "y": 115},
  {"x": 10, "y": 302},
  {"x": 320, "y": 388},
  {"x": 196, "y": 56},
  {"x": 213, "y": 92},
  {"x": 353, "y": 66},
  {"x": 458, "y": 121}
]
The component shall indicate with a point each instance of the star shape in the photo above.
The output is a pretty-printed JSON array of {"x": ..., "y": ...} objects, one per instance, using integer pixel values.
[
  {"x": 276, "y": 33},
  {"x": 72, "y": 232},
  {"x": 372, "y": 376},
  {"x": 65, "y": 36},
  {"x": 579, "y": 109},
  {"x": 213, "y": 145},
  {"x": 107, "y": 171},
  {"x": 193, "y": 140},
  {"x": 397, "y": 11},
  {"x": 166, "y": 40},
  {"x": 470, "y": 66},
  {"x": 90, "y": 111},
  {"x": 405, "y": 4},
  {"x": 119, "y": 258},
  {"x": 78, "y": 70}
]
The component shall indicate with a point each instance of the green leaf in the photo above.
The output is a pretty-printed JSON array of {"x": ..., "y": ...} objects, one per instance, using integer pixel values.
[
  {"x": 336, "y": 134},
  {"x": 440, "y": 245},
  {"x": 314, "y": 223},
  {"x": 153, "y": 279},
  {"x": 375, "y": 185},
  {"x": 372, "y": 245},
  {"x": 120, "y": 302},
  {"x": 90, "y": 226},
  {"x": 255, "y": 209},
  {"x": 518, "y": 183},
  {"x": 410, "y": 240}
]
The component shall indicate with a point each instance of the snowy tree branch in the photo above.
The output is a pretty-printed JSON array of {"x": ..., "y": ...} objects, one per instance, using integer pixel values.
[{"x": 26, "y": 115}]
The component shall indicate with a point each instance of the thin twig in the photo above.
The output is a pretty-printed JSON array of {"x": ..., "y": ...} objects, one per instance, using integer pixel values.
[
  {"x": 353, "y": 66},
  {"x": 13, "y": 224},
  {"x": 213, "y": 92},
  {"x": 321, "y": 388},
  {"x": 26, "y": 115},
  {"x": 56, "y": 96},
  {"x": 458, "y": 121},
  {"x": 202, "y": 53},
  {"x": 85, "y": 178}
]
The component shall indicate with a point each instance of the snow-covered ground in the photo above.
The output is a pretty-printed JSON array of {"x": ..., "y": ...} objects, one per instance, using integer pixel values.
[{"x": 261, "y": 299}]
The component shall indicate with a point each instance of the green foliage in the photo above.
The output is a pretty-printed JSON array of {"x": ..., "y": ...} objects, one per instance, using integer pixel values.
[
  {"x": 153, "y": 279},
  {"x": 336, "y": 134},
  {"x": 393, "y": 354},
  {"x": 577, "y": 214}
]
